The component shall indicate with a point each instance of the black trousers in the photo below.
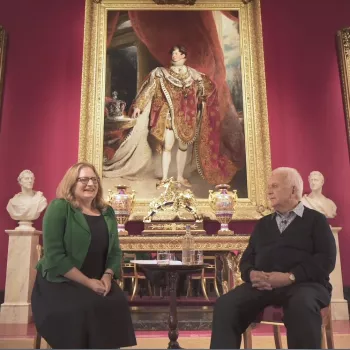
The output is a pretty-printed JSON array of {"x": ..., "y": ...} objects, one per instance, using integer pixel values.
[{"x": 236, "y": 310}]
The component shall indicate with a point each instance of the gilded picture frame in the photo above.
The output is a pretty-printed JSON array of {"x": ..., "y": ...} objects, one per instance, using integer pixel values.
[
  {"x": 343, "y": 46},
  {"x": 257, "y": 139},
  {"x": 3, "y": 42}
]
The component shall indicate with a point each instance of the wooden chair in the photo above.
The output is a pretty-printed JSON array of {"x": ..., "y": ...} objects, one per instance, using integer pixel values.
[
  {"x": 38, "y": 337},
  {"x": 274, "y": 316},
  {"x": 208, "y": 274},
  {"x": 129, "y": 271}
]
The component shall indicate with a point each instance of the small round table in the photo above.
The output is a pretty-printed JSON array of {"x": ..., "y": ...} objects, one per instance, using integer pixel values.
[{"x": 173, "y": 270}]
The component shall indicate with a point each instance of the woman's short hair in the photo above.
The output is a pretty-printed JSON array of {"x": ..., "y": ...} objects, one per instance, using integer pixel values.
[
  {"x": 181, "y": 48},
  {"x": 25, "y": 173},
  {"x": 292, "y": 178},
  {"x": 66, "y": 187}
]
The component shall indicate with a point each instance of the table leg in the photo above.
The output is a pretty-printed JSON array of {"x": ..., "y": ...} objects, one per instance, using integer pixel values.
[{"x": 172, "y": 321}]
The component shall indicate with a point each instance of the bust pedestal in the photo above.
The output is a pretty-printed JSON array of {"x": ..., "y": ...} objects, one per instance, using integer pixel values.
[
  {"x": 20, "y": 276},
  {"x": 340, "y": 309}
]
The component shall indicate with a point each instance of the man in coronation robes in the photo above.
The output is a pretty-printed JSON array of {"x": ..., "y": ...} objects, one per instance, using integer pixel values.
[
  {"x": 177, "y": 103},
  {"x": 183, "y": 105}
]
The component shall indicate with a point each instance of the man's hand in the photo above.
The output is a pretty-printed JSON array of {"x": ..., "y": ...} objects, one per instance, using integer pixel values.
[
  {"x": 107, "y": 282},
  {"x": 136, "y": 113},
  {"x": 259, "y": 280},
  {"x": 278, "y": 279}
]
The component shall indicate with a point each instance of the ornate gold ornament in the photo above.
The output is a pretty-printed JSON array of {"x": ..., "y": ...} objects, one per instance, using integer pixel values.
[
  {"x": 257, "y": 140},
  {"x": 343, "y": 43},
  {"x": 173, "y": 201},
  {"x": 174, "y": 243}
]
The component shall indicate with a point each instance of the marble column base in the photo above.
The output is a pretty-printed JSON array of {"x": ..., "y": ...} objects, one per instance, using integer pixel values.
[
  {"x": 16, "y": 313},
  {"x": 339, "y": 304},
  {"x": 22, "y": 258},
  {"x": 340, "y": 310}
]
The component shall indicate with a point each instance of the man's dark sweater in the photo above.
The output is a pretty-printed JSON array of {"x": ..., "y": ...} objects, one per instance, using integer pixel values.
[{"x": 305, "y": 248}]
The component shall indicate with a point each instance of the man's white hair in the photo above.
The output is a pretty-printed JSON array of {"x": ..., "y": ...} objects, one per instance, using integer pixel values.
[{"x": 292, "y": 178}]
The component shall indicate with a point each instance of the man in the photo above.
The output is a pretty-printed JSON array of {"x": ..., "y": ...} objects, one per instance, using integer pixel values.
[
  {"x": 183, "y": 106},
  {"x": 287, "y": 263}
]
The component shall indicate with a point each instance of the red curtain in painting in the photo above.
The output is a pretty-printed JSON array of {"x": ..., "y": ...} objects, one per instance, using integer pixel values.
[
  {"x": 230, "y": 15},
  {"x": 112, "y": 20}
]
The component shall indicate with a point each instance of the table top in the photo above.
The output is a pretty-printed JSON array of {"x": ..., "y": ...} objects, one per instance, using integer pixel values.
[{"x": 174, "y": 265}]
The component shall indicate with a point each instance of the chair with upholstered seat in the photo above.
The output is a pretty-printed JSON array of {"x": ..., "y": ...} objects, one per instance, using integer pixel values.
[
  {"x": 129, "y": 271},
  {"x": 207, "y": 274},
  {"x": 274, "y": 316}
]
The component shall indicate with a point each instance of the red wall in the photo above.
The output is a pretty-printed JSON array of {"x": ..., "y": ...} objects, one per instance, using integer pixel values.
[
  {"x": 307, "y": 123},
  {"x": 41, "y": 105},
  {"x": 40, "y": 116}
]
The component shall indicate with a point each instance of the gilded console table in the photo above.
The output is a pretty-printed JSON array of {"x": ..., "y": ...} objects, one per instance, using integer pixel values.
[{"x": 228, "y": 248}]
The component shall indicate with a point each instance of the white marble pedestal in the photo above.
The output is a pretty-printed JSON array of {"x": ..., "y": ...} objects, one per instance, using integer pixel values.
[
  {"x": 20, "y": 275},
  {"x": 340, "y": 309}
]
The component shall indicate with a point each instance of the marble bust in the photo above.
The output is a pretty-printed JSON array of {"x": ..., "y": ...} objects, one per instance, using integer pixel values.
[
  {"x": 316, "y": 200},
  {"x": 27, "y": 205}
]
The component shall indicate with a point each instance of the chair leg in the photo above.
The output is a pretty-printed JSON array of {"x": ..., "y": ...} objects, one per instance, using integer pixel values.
[
  {"x": 136, "y": 283},
  {"x": 247, "y": 338},
  {"x": 277, "y": 336},
  {"x": 189, "y": 288},
  {"x": 149, "y": 288},
  {"x": 329, "y": 332},
  {"x": 203, "y": 284},
  {"x": 121, "y": 284},
  {"x": 216, "y": 288},
  {"x": 37, "y": 341},
  {"x": 323, "y": 338}
]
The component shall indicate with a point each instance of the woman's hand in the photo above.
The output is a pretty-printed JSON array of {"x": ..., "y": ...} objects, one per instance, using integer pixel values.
[
  {"x": 107, "y": 282},
  {"x": 97, "y": 286}
]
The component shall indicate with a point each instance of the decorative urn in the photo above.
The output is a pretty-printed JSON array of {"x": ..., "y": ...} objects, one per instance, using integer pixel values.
[
  {"x": 122, "y": 203},
  {"x": 223, "y": 204}
]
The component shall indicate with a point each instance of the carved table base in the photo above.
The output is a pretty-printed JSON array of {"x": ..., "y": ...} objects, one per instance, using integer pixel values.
[
  {"x": 172, "y": 320},
  {"x": 173, "y": 274}
]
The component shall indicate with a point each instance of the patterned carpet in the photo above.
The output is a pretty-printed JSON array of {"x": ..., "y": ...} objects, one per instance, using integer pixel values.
[{"x": 342, "y": 341}]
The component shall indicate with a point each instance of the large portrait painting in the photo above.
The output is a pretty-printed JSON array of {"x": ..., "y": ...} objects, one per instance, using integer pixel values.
[
  {"x": 176, "y": 91},
  {"x": 3, "y": 37}
]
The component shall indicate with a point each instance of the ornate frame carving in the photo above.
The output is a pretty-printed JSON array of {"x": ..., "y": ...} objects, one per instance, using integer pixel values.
[
  {"x": 3, "y": 42},
  {"x": 256, "y": 120},
  {"x": 343, "y": 43},
  {"x": 174, "y": 243}
]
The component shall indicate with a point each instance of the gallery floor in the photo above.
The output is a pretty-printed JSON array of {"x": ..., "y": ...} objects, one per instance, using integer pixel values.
[{"x": 151, "y": 330}]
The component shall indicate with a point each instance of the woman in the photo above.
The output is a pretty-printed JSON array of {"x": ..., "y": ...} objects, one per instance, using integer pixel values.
[{"x": 75, "y": 302}]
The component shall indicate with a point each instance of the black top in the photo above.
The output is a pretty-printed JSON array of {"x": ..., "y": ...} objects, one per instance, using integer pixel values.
[
  {"x": 305, "y": 248},
  {"x": 95, "y": 262}
]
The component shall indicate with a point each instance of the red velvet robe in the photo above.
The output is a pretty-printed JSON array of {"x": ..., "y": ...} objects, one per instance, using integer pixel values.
[{"x": 187, "y": 104}]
